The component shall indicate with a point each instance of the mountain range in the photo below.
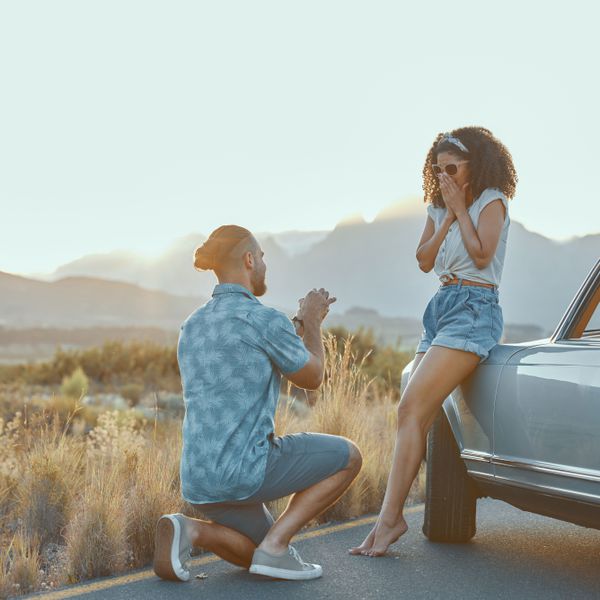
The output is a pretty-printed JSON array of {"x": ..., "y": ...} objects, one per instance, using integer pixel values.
[
  {"x": 80, "y": 302},
  {"x": 370, "y": 265}
]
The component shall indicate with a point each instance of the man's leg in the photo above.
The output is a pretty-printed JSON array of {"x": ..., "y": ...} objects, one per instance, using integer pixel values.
[
  {"x": 224, "y": 537},
  {"x": 307, "y": 504},
  {"x": 237, "y": 548},
  {"x": 229, "y": 544}
]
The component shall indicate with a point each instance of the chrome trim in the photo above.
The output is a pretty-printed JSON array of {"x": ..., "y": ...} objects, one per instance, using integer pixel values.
[
  {"x": 551, "y": 468},
  {"x": 481, "y": 475},
  {"x": 550, "y": 490},
  {"x": 476, "y": 455}
]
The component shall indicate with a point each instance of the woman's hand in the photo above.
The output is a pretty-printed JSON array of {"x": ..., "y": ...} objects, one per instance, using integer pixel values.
[
  {"x": 450, "y": 216},
  {"x": 454, "y": 197}
]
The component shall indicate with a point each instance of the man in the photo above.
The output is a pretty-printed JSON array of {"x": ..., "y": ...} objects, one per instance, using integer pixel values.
[{"x": 232, "y": 352}]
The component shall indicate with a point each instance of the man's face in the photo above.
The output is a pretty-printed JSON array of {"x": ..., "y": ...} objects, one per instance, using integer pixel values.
[{"x": 257, "y": 277}]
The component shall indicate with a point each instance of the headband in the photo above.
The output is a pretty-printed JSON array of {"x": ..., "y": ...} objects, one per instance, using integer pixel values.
[{"x": 453, "y": 140}]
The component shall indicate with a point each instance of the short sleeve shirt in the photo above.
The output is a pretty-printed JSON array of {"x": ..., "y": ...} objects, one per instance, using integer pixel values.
[
  {"x": 453, "y": 260},
  {"x": 231, "y": 353}
]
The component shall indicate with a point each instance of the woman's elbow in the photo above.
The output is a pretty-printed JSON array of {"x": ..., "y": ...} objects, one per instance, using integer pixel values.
[
  {"x": 425, "y": 267},
  {"x": 482, "y": 262}
]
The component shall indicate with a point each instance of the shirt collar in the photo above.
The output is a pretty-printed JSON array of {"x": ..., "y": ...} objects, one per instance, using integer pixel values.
[{"x": 233, "y": 288}]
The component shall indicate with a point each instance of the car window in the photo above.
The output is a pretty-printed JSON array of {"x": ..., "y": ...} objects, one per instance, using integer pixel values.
[
  {"x": 587, "y": 326},
  {"x": 593, "y": 326}
]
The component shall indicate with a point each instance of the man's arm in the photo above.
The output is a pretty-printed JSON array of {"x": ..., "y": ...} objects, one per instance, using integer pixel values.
[{"x": 313, "y": 310}]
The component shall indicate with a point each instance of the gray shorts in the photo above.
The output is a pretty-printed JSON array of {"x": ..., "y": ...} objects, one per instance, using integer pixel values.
[{"x": 295, "y": 462}]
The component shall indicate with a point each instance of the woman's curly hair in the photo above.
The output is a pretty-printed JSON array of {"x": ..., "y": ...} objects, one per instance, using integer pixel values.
[{"x": 490, "y": 163}]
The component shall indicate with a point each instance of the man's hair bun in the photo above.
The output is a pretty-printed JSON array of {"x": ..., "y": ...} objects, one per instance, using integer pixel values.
[
  {"x": 204, "y": 260},
  {"x": 217, "y": 248}
]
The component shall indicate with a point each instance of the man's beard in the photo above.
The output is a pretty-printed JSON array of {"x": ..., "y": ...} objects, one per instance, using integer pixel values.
[{"x": 260, "y": 286}]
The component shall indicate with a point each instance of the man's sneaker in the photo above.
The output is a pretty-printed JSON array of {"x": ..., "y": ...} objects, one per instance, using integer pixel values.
[
  {"x": 283, "y": 566},
  {"x": 172, "y": 548}
]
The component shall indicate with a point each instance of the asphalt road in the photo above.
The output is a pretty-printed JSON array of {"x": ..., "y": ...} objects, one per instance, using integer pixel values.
[{"x": 513, "y": 555}]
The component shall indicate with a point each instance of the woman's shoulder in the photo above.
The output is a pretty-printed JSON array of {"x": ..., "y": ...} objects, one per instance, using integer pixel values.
[
  {"x": 489, "y": 195},
  {"x": 433, "y": 210}
]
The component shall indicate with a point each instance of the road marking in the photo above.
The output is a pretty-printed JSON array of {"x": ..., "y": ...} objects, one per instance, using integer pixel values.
[{"x": 203, "y": 560}]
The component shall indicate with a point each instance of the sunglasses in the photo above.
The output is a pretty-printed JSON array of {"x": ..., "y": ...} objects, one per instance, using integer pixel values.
[{"x": 450, "y": 168}]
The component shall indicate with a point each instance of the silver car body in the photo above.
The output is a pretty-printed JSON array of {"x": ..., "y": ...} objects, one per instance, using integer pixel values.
[{"x": 527, "y": 420}]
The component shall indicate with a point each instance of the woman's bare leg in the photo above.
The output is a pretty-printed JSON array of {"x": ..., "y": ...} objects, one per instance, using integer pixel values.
[
  {"x": 436, "y": 375},
  {"x": 368, "y": 541}
]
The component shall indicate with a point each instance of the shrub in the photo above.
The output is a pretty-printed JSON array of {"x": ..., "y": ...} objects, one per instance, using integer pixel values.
[
  {"x": 76, "y": 385},
  {"x": 132, "y": 392},
  {"x": 96, "y": 535},
  {"x": 46, "y": 490},
  {"x": 20, "y": 566}
]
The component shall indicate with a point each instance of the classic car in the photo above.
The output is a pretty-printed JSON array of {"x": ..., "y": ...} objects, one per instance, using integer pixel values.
[{"x": 524, "y": 427}]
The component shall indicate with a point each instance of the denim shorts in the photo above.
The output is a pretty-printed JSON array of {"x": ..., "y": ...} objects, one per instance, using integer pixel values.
[
  {"x": 463, "y": 317},
  {"x": 295, "y": 462}
]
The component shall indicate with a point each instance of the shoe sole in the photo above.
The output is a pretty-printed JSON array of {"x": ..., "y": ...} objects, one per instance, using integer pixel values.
[
  {"x": 285, "y": 573},
  {"x": 166, "y": 550}
]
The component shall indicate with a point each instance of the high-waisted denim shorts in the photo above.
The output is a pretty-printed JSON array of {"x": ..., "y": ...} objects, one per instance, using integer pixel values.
[{"x": 464, "y": 317}]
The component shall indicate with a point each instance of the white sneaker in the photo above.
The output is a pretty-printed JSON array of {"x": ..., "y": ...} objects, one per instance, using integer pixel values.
[
  {"x": 284, "y": 566},
  {"x": 172, "y": 548}
]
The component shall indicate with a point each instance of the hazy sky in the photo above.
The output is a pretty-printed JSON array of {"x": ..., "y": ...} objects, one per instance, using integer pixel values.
[{"x": 128, "y": 124}]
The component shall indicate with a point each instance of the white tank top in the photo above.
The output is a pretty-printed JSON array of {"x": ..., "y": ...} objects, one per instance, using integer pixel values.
[{"x": 453, "y": 259}]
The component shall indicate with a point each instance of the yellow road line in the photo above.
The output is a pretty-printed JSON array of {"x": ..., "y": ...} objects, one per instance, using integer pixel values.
[{"x": 203, "y": 560}]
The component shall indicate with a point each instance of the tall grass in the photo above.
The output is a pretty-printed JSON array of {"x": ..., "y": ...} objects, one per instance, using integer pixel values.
[
  {"x": 78, "y": 503},
  {"x": 352, "y": 405}
]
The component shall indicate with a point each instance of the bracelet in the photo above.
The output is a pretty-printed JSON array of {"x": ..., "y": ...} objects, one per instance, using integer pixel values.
[{"x": 297, "y": 321}]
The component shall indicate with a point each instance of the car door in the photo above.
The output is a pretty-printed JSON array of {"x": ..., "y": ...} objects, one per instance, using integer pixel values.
[{"x": 547, "y": 412}]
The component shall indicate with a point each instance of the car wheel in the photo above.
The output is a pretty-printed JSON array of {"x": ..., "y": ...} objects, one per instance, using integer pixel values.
[{"x": 451, "y": 495}]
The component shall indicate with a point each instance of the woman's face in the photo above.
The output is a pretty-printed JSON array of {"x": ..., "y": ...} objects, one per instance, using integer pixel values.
[{"x": 463, "y": 174}]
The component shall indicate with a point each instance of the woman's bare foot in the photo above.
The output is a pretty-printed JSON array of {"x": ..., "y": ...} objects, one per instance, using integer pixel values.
[
  {"x": 381, "y": 537},
  {"x": 385, "y": 535},
  {"x": 367, "y": 542}
]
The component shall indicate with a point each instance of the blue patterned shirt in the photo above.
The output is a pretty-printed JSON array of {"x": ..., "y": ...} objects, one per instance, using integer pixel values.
[{"x": 231, "y": 353}]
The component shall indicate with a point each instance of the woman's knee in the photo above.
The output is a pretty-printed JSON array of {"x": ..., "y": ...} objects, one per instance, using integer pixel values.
[{"x": 409, "y": 414}]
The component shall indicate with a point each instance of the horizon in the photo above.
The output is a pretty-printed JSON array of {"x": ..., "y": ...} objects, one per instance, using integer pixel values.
[{"x": 150, "y": 257}]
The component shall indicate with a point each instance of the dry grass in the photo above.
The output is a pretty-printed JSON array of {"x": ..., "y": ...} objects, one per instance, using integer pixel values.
[
  {"x": 154, "y": 491},
  {"x": 23, "y": 555},
  {"x": 96, "y": 536},
  {"x": 46, "y": 491},
  {"x": 76, "y": 504},
  {"x": 350, "y": 405}
]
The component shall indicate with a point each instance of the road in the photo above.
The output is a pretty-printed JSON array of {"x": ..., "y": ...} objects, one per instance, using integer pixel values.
[{"x": 513, "y": 555}]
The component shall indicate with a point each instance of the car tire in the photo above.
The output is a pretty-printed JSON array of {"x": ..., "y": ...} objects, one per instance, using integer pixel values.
[{"x": 451, "y": 495}]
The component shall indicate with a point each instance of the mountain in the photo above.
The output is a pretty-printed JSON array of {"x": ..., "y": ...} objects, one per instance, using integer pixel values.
[
  {"x": 371, "y": 265},
  {"x": 88, "y": 302}
]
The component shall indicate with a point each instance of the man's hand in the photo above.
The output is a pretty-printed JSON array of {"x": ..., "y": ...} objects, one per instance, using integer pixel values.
[
  {"x": 315, "y": 305},
  {"x": 313, "y": 309}
]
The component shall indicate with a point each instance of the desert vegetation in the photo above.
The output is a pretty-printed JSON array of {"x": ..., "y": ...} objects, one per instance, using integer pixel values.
[{"x": 82, "y": 485}]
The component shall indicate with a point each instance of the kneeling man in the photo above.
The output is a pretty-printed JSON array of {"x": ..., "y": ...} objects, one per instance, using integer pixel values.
[{"x": 232, "y": 352}]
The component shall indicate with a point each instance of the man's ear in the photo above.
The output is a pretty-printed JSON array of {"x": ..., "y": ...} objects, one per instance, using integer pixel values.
[{"x": 248, "y": 260}]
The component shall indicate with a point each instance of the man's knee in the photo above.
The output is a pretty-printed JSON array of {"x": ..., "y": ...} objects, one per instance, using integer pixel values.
[{"x": 354, "y": 457}]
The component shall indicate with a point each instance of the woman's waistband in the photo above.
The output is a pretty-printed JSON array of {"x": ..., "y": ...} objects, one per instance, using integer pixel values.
[{"x": 460, "y": 280}]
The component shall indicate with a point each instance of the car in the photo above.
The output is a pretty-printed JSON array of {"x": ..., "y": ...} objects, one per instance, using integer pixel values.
[{"x": 524, "y": 428}]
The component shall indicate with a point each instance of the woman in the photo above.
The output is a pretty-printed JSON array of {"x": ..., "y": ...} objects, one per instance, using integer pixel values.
[{"x": 467, "y": 178}]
